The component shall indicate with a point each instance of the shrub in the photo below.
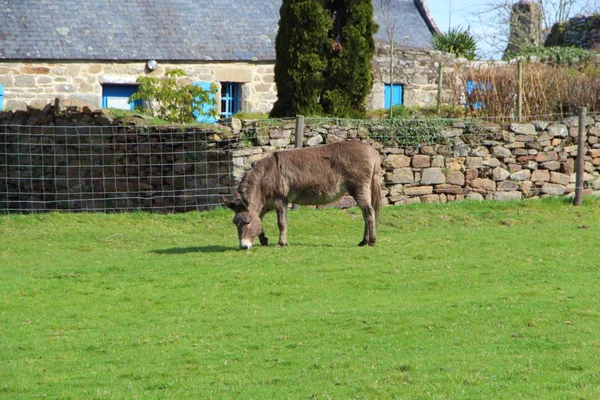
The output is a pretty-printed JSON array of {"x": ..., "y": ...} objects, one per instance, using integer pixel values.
[
  {"x": 557, "y": 55},
  {"x": 168, "y": 100},
  {"x": 456, "y": 41}
]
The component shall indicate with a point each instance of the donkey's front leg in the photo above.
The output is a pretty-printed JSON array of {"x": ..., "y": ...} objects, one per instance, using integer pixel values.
[{"x": 281, "y": 206}]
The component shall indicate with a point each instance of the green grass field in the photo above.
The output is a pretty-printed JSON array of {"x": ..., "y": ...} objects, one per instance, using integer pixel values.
[{"x": 459, "y": 301}]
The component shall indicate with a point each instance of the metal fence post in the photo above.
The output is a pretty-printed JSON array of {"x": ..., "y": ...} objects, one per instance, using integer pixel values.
[{"x": 580, "y": 161}]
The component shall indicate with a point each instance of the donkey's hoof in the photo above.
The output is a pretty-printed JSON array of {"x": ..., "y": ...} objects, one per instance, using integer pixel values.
[
  {"x": 282, "y": 244},
  {"x": 365, "y": 243},
  {"x": 264, "y": 241}
]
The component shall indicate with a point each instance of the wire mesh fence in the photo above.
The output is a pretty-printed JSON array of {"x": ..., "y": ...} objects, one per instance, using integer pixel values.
[{"x": 111, "y": 169}]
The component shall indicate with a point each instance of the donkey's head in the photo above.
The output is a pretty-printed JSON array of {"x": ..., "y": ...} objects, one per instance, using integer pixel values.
[{"x": 247, "y": 222}]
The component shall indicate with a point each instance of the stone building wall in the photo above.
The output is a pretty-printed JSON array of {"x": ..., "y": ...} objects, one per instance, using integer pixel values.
[
  {"x": 416, "y": 70},
  {"x": 37, "y": 84}
]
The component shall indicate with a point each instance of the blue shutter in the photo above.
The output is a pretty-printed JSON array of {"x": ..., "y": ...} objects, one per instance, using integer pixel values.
[
  {"x": 1, "y": 97},
  {"x": 397, "y": 95},
  {"x": 206, "y": 107}
]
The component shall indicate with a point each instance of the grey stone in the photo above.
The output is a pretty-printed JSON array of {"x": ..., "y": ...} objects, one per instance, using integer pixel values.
[
  {"x": 501, "y": 152},
  {"x": 475, "y": 196},
  {"x": 553, "y": 189},
  {"x": 521, "y": 175},
  {"x": 400, "y": 175},
  {"x": 500, "y": 174},
  {"x": 315, "y": 141},
  {"x": 432, "y": 176},
  {"x": 558, "y": 130},
  {"x": 508, "y": 196},
  {"x": 523, "y": 129}
]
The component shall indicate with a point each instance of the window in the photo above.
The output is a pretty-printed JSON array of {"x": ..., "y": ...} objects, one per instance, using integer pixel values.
[
  {"x": 230, "y": 98},
  {"x": 1, "y": 97},
  {"x": 117, "y": 96},
  {"x": 397, "y": 92}
]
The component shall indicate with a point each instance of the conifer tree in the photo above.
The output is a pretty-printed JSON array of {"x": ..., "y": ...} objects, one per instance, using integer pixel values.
[
  {"x": 324, "y": 50},
  {"x": 301, "y": 45},
  {"x": 348, "y": 77}
]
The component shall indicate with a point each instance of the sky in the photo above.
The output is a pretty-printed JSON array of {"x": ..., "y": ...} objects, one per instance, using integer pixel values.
[{"x": 470, "y": 14}]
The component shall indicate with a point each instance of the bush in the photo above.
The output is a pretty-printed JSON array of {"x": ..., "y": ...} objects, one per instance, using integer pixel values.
[
  {"x": 557, "y": 55},
  {"x": 168, "y": 100},
  {"x": 456, "y": 41}
]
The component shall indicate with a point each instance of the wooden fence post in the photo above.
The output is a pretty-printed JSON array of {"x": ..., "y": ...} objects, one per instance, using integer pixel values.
[
  {"x": 520, "y": 89},
  {"x": 299, "y": 142},
  {"x": 299, "y": 130},
  {"x": 580, "y": 161},
  {"x": 440, "y": 85}
]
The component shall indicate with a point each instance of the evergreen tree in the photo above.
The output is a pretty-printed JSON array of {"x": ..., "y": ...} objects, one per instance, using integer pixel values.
[
  {"x": 348, "y": 77},
  {"x": 324, "y": 50},
  {"x": 301, "y": 46}
]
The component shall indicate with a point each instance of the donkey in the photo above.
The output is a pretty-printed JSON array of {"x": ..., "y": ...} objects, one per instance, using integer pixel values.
[{"x": 307, "y": 176}]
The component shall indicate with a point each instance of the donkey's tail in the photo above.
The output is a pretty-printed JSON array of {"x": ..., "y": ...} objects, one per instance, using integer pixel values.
[{"x": 376, "y": 190}]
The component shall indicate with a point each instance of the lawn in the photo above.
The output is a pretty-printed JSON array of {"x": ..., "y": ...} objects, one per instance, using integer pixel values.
[{"x": 457, "y": 301}]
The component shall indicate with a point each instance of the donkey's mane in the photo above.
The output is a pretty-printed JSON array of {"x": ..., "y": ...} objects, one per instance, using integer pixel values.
[{"x": 251, "y": 179}]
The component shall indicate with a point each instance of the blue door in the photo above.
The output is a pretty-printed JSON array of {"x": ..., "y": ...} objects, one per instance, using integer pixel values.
[
  {"x": 1, "y": 97},
  {"x": 397, "y": 93}
]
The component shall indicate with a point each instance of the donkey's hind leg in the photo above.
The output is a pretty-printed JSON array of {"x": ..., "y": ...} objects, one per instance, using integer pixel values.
[{"x": 363, "y": 199}]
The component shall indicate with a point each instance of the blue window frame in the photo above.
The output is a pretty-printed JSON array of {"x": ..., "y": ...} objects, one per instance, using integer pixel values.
[
  {"x": 117, "y": 96},
  {"x": 230, "y": 98},
  {"x": 1, "y": 97},
  {"x": 397, "y": 95}
]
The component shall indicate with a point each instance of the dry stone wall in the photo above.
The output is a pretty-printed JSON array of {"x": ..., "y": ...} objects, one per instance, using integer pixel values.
[
  {"x": 99, "y": 165},
  {"x": 498, "y": 162}
]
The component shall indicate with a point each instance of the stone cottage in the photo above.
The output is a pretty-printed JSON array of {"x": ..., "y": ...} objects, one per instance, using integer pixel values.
[{"x": 92, "y": 52}]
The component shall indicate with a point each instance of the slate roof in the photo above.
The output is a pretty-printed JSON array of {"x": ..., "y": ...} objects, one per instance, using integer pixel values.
[{"x": 185, "y": 30}]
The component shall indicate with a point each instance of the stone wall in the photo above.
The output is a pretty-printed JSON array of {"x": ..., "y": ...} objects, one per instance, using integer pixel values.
[
  {"x": 488, "y": 161},
  {"x": 35, "y": 85},
  {"x": 177, "y": 168},
  {"x": 583, "y": 31}
]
